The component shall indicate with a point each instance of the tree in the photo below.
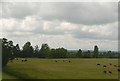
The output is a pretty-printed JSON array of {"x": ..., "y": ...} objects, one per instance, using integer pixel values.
[
  {"x": 36, "y": 51},
  {"x": 16, "y": 50},
  {"x": 59, "y": 53},
  {"x": 110, "y": 54},
  {"x": 63, "y": 52},
  {"x": 53, "y": 53},
  {"x": 7, "y": 51},
  {"x": 79, "y": 54},
  {"x": 96, "y": 51},
  {"x": 27, "y": 50},
  {"x": 45, "y": 51}
]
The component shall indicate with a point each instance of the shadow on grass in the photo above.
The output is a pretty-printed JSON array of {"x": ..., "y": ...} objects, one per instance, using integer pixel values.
[{"x": 12, "y": 72}]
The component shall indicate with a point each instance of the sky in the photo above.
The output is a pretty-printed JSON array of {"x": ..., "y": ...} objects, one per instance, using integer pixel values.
[{"x": 72, "y": 25}]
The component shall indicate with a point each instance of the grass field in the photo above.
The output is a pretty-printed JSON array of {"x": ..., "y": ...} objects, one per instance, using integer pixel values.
[{"x": 49, "y": 69}]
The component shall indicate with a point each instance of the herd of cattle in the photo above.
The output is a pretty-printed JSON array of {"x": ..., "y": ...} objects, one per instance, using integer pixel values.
[
  {"x": 110, "y": 72},
  {"x": 25, "y": 60},
  {"x": 104, "y": 66},
  {"x": 64, "y": 61}
]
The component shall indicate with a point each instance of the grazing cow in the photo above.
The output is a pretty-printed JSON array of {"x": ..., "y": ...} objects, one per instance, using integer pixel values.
[
  {"x": 115, "y": 65},
  {"x": 55, "y": 60},
  {"x": 11, "y": 59},
  {"x": 104, "y": 66},
  {"x": 98, "y": 64},
  {"x": 25, "y": 59},
  {"x": 110, "y": 64},
  {"x": 105, "y": 71},
  {"x": 118, "y": 65},
  {"x": 69, "y": 61},
  {"x": 110, "y": 72},
  {"x": 16, "y": 58},
  {"x": 119, "y": 70},
  {"x": 22, "y": 60}
]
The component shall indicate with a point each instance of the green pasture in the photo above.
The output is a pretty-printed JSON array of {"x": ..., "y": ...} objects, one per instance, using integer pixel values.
[{"x": 82, "y": 68}]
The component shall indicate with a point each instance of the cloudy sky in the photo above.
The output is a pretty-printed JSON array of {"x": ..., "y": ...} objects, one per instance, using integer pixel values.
[{"x": 72, "y": 25}]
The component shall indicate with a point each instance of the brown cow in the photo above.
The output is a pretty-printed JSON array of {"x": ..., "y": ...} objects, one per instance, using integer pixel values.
[
  {"x": 115, "y": 65},
  {"x": 110, "y": 64}
]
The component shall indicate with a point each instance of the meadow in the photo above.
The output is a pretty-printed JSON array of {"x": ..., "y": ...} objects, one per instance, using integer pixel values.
[{"x": 77, "y": 68}]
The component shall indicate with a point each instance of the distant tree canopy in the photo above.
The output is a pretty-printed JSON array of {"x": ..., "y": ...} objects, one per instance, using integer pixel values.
[
  {"x": 87, "y": 54},
  {"x": 10, "y": 51},
  {"x": 59, "y": 53}
]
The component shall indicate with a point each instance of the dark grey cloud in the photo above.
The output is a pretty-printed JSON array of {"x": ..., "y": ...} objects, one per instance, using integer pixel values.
[{"x": 82, "y": 13}]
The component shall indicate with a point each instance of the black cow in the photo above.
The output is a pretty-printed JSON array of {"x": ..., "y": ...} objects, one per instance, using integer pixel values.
[
  {"x": 119, "y": 70},
  {"x": 104, "y": 66},
  {"x": 105, "y": 71},
  {"x": 55, "y": 60},
  {"x": 25, "y": 60},
  {"x": 110, "y": 72},
  {"x": 98, "y": 64},
  {"x": 22, "y": 60},
  {"x": 69, "y": 61}
]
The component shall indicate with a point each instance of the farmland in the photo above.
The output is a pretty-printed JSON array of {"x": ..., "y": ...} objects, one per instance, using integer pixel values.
[{"x": 84, "y": 68}]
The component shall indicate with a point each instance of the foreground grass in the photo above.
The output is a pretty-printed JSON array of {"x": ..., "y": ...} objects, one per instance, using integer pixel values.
[{"x": 49, "y": 69}]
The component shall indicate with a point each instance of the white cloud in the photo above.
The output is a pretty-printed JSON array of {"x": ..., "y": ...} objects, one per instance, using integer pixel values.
[
  {"x": 9, "y": 24},
  {"x": 37, "y": 25},
  {"x": 104, "y": 31},
  {"x": 67, "y": 26},
  {"x": 31, "y": 23}
]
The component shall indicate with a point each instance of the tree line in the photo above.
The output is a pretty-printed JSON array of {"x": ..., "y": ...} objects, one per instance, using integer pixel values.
[{"x": 11, "y": 51}]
